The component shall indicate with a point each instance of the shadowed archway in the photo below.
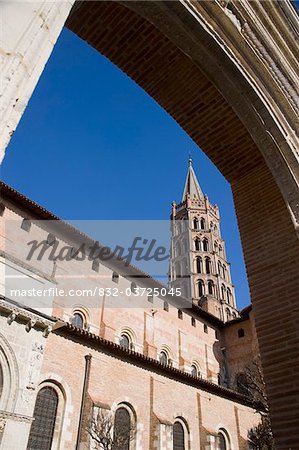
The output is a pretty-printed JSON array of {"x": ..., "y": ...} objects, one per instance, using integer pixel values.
[
  {"x": 177, "y": 61},
  {"x": 226, "y": 72}
]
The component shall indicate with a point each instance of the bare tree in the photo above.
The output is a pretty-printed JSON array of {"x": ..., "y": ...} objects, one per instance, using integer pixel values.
[
  {"x": 251, "y": 383},
  {"x": 106, "y": 435}
]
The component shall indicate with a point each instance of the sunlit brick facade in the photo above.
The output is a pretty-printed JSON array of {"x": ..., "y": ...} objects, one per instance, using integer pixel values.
[{"x": 171, "y": 369}]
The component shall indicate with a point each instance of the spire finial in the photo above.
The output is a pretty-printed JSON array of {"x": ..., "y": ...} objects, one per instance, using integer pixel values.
[{"x": 190, "y": 162}]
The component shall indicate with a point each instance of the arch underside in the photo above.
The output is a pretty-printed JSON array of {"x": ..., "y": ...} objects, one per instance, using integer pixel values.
[{"x": 224, "y": 122}]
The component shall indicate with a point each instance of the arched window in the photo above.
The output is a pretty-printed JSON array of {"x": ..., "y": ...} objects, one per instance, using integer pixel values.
[
  {"x": 133, "y": 287},
  {"x": 210, "y": 287},
  {"x": 178, "y": 272},
  {"x": 197, "y": 244},
  {"x": 178, "y": 436},
  {"x": 194, "y": 371},
  {"x": 228, "y": 295},
  {"x": 205, "y": 245},
  {"x": 115, "y": 277},
  {"x": 198, "y": 264},
  {"x": 178, "y": 249},
  {"x": 42, "y": 428},
  {"x": 220, "y": 250},
  {"x": 208, "y": 265},
  {"x": 216, "y": 248},
  {"x": 219, "y": 268},
  {"x": 184, "y": 247},
  {"x": 125, "y": 341},
  {"x": 163, "y": 357},
  {"x": 223, "y": 292},
  {"x": 202, "y": 223},
  {"x": 200, "y": 288},
  {"x": 195, "y": 223},
  {"x": 122, "y": 432},
  {"x": 224, "y": 272},
  {"x": 221, "y": 442},
  {"x": 78, "y": 320}
]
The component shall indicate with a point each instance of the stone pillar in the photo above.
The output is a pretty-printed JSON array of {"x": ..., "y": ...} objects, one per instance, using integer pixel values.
[{"x": 29, "y": 33}]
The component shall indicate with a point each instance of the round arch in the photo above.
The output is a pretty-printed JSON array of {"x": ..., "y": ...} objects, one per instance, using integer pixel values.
[
  {"x": 181, "y": 433},
  {"x": 214, "y": 75},
  {"x": 55, "y": 384},
  {"x": 9, "y": 376}
]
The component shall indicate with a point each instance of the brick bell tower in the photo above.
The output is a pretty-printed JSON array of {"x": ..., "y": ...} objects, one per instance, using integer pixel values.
[{"x": 198, "y": 260}]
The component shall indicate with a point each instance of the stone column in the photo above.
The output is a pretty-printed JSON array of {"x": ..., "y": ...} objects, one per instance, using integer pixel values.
[{"x": 29, "y": 31}]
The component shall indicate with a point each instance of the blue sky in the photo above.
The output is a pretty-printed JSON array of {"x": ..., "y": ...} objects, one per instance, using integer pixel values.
[{"x": 93, "y": 145}]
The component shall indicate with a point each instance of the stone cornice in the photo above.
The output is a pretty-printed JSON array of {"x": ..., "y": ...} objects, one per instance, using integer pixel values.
[
  {"x": 29, "y": 318},
  {"x": 6, "y": 415}
]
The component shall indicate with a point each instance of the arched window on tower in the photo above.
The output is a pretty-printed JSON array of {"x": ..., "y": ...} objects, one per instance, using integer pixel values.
[
  {"x": 208, "y": 265},
  {"x": 197, "y": 244},
  {"x": 205, "y": 245},
  {"x": 216, "y": 248},
  {"x": 195, "y": 223},
  {"x": 220, "y": 250},
  {"x": 202, "y": 223},
  {"x": 198, "y": 264},
  {"x": 45, "y": 411},
  {"x": 223, "y": 292},
  {"x": 184, "y": 247},
  {"x": 224, "y": 272},
  {"x": 122, "y": 430},
  {"x": 210, "y": 287},
  {"x": 229, "y": 296},
  {"x": 178, "y": 249},
  {"x": 200, "y": 288},
  {"x": 219, "y": 268}
]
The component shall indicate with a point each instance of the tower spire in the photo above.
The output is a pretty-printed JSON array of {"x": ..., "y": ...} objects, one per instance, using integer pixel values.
[{"x": 192, "y": 187}]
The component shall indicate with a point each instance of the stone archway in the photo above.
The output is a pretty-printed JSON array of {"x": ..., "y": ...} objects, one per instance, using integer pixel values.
[{"x": 230, "y": 83}]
